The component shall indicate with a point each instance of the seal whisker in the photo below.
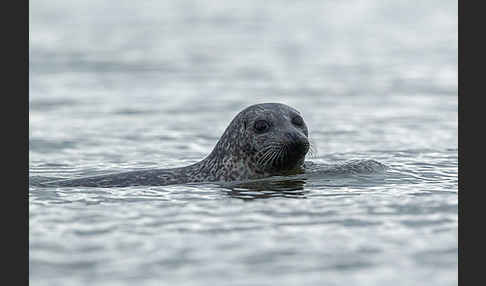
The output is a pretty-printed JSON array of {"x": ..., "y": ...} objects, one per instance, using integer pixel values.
[
  {"x": 276, "y": 157},
  {"x": 265, "y": 156},
  {"x": 312, "y": 149},
  {"x": 283, "y": 154},
  {"x": 269, "y": 157},
  {"x": 265, "y": 150}
]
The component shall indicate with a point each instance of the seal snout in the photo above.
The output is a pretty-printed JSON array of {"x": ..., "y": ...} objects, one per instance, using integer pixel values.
[{"x": 297, "y": 145}]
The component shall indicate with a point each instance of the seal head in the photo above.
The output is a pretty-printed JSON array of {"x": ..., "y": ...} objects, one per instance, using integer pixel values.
[{"x": 262, "y": 140}]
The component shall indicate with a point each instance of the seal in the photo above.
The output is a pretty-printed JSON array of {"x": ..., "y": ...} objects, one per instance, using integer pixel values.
[{"x": 262, "y": 140}]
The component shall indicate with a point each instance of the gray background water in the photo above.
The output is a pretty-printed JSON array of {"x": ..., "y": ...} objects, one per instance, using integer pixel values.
[{"x": 123, "y": 85}]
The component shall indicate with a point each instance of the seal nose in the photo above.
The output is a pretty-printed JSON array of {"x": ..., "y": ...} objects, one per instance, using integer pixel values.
[{"x": 297, "y": 143}]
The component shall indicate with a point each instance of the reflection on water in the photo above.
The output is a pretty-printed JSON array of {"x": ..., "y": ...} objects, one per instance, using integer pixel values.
[{"x": 263, "y": 189}]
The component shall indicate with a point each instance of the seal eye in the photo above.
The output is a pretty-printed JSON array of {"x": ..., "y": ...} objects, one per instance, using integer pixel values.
[
  {"x": 261, "y": 126},
  {"x": 298, "y": 121}
]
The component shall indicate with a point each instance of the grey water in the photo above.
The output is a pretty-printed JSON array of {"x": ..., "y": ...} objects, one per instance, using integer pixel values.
[{"x": 117, "y": 86}]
